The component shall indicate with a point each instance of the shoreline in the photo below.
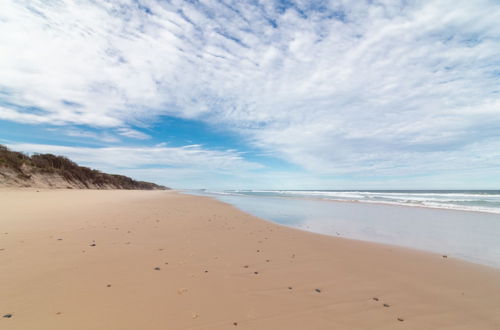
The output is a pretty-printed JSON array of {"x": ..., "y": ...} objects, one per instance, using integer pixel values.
[
  {"x": 457, "y": 234},
  {"x": 217, "y": 266},
  {"x": 356, "y": 240}
]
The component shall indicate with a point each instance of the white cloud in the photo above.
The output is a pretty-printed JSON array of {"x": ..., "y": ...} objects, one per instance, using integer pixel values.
[
  {"x": 132, "y": 133},
  {"x": 194, "y": 156},
  {"x": 104, "y": 137},
  {"x": 358, "y": 87}
]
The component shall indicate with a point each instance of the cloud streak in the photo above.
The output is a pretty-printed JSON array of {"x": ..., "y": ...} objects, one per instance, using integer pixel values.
[{"x": 193, "y": 156}]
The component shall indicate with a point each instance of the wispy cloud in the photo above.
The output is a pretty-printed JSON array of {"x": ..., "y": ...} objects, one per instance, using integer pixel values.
[
  {"x": 132, "y": 133},
  {"x": 333, "y": 86},
  {"x": 192, "y": 156}
]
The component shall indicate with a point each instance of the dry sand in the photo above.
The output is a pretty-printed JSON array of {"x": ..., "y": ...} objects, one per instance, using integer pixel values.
[{"x": 80, "y": 259}]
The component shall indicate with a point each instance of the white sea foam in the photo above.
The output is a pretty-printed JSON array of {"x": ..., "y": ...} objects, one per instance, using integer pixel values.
[{"x": 480, "y": 201}]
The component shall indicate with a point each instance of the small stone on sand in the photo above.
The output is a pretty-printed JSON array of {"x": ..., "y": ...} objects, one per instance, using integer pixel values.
[
  {"x": 157, "y": 268},
  {"x": 246, "y": 266},
  {"x": 375, "y": 298},
  {"x": 445, "y": 256},
  {"x": 93, "y": 244},
  {"x": 317, "y": 290},
  {"x": 387, "y": 305},
  {"x": 235, "y": 323},
  {"x": 109, "y": 285},
  {"x": 7, "y": 316},
  {"x": 400, "y": 319},
  {"x": 290, "y": 288}
]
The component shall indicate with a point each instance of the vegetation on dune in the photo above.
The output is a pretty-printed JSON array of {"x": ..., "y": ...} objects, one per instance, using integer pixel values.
[{"x": 25, "y": 166}]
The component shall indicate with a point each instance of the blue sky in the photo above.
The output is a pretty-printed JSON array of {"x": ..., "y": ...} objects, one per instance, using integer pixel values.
[{"x": 258, "y": 94}]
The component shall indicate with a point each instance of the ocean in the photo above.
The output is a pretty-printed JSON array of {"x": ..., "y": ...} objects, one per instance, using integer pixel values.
[
  {"x": 465, "y": 200},
  {"x": 463, "y": 224}
]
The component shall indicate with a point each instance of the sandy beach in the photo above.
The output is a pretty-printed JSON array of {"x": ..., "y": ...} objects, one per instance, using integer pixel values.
[{"x": 86, "y": 259}]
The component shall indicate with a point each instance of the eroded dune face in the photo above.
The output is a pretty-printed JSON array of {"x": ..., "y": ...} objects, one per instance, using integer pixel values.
[
  {"x": 28, "y": 179},
  {"x": 50, "y": 171}
]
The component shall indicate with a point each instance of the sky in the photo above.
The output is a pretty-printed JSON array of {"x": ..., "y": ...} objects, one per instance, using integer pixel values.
[{"x": 258, "y": 94}]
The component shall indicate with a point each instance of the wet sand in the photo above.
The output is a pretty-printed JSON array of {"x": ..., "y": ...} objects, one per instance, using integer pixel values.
[{"x": 83, "y": 259}]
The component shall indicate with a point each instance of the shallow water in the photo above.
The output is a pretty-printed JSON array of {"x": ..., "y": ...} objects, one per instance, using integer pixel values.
[{"x": 472, "y": 236}]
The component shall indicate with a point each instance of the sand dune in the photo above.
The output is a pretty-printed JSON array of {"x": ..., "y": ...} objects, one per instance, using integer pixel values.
[{"x": 83, "y": 259}]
